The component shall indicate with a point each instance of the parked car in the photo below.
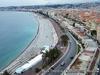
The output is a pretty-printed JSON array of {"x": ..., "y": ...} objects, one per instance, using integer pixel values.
[{"x": 52, "y": 68}]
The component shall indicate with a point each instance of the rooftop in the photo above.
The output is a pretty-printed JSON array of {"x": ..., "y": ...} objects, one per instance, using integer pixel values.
[
  {"x": 97, "y": 20},
  {"x": 78, "y": 32},
  {"x": 82, "y": 61},
  {"x": 91, "y": 44}
]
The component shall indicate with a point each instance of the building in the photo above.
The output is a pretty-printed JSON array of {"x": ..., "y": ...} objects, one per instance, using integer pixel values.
[
  {"x": 84, "y": 63},
  {"x": 33, "y": 63},
  {"x": 29, "y": 65},
  {"x": 85, "y": 60},
  {"x": 98, "y": 33}
]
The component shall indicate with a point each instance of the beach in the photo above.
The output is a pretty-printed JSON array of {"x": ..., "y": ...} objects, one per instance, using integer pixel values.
[{"x": 46, "y": 36}]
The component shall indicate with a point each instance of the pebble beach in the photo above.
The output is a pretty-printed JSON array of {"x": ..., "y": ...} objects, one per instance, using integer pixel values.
[{"x": 46, "y": 35}]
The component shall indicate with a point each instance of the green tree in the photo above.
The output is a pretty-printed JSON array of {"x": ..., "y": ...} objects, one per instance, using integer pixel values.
[
  {"x": 6, "y": 72},
  {"x": 64, "y": 40},
  {"x": 50, "y": 56},
  {"x": 74, "y": 24},
  {"x": 37, "y": 70},
  {"x": 79, "y": 48},
  {"x": 93, "y": 32},
  {"x": 66, "y": 16}
]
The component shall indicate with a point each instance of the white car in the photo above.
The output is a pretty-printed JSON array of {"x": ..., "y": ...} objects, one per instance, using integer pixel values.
[{"x": 63, "y": 63}]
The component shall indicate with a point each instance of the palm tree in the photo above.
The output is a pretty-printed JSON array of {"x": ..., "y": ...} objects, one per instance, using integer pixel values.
[{"x": 50, "y": 56}]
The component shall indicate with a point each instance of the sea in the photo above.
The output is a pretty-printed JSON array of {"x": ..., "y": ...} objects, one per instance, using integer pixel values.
[{"x": 17, "y": 30}]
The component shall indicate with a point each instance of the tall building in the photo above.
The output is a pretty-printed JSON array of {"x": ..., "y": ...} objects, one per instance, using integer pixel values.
[{"x": 98, "y": 33}]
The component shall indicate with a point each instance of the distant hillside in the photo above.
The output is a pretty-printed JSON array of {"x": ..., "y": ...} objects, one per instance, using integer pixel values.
[{"x": 81, "y": 5}]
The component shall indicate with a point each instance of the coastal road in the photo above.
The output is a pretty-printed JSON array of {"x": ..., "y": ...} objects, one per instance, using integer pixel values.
[
  {"x": 99, "y": 68},
  {"x": 58, "y": 69}
]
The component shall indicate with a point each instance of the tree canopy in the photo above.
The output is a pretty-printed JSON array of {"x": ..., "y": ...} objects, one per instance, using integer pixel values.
[
  {"x": 64, "y": 39},
  {"x": 6, "y": 73},
  {"x": 50, "y": 56}
]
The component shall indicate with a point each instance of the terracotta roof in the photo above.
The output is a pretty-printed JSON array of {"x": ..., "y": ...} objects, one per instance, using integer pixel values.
[
  {"x": 87, "y": 15},
  {"x": 97, "y": 20}
]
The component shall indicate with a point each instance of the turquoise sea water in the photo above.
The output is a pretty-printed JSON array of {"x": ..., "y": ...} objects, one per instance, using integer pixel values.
[{"x": 17, "y": 29}]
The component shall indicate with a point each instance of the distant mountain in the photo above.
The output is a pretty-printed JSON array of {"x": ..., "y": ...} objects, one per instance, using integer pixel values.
[
  {"x": 86, "y": 5},
  {"x": 80, "y": 5}
]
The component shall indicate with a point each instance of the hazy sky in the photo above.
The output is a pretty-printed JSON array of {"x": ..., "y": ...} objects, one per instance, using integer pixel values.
[{"x": 39, "y": 2}]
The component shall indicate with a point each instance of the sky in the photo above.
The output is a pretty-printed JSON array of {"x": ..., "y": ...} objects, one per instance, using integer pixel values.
[{"x": 39, "y": 2}]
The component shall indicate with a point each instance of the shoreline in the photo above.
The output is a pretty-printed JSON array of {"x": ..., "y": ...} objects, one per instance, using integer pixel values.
[
  {"x": 24, "y": 48},
  {"x": 20, "y": 60}
]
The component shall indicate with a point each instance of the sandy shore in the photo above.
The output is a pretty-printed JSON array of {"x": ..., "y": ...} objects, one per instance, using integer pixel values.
[{"x": 46, "y": 36}]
